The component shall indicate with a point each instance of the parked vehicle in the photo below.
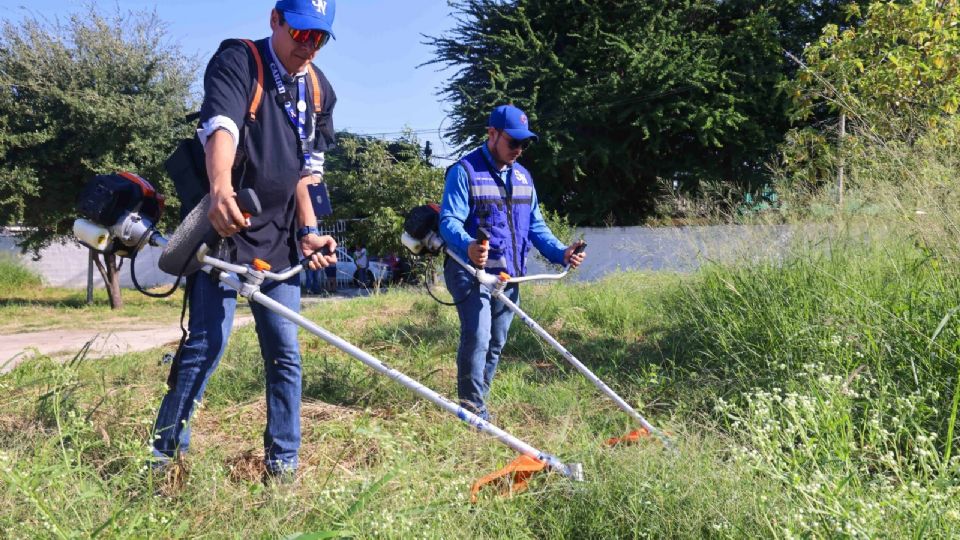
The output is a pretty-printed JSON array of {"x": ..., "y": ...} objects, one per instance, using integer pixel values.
[{"x": 378, "y": 273}]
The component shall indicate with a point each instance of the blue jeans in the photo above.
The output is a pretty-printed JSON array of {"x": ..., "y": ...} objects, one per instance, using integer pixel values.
[
  {"x": 212, "y": 306},
  {"x": 313, "y": 281},
  {"x": 484, "y": 324}
]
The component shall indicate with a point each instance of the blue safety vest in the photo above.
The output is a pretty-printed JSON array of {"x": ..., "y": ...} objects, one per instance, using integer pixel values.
[{"x": 506, "y": 218}]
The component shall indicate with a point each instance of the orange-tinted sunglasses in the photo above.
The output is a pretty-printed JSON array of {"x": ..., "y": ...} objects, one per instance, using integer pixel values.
[{"x": 317, "y": 38}]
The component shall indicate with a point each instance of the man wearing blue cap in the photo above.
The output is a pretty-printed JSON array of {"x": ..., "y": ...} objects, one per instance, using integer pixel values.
[
  {"x": 488, "y": 190},
  {"x": 265, "y": 123}
]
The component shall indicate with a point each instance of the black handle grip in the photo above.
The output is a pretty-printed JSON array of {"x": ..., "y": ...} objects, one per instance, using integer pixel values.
[
  {"x": 580, "y": 247},
  {"x": 325, "y": 251},
  {"x": 249, "y": 204},
  {"x": 483, "y": 235}
]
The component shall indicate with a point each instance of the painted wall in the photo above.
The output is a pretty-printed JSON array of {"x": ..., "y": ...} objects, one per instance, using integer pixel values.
[
  {"x": 65, "y": 265},
  {"x": 677, "y": 249}
]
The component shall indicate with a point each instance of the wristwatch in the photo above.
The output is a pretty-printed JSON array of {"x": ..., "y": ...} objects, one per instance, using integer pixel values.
[{"x": 303, "y": 231}]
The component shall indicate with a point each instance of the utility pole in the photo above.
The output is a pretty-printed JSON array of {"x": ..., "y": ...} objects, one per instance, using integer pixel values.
[{"x": 89, "y": 277}]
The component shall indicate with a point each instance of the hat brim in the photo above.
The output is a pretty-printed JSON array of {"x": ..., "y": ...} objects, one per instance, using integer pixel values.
[
  {"x": 307, "y": 21},
  {"x": 521, "y": 134}
]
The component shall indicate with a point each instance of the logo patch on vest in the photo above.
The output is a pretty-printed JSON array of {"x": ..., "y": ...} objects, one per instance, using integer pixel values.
[
  {"x": 522, "y": 178},
  {"x": 321, "y": 6}
]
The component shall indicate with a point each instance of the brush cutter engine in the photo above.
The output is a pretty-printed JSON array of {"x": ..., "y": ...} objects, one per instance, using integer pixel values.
[
  {"x": 119, "y": 212},
  {"x": 421, "y": 230}
]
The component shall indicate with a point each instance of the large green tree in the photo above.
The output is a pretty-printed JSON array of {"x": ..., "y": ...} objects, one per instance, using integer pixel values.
[
  {"x": 893, "y": 77},
  {"x": 94, "y": 94},
  {"x": 629, "y": 95}
]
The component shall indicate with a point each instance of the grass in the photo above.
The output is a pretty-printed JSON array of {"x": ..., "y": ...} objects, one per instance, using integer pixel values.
[
  {"x": 809, "y": 397},
  {"x": 28, "y": 306}
]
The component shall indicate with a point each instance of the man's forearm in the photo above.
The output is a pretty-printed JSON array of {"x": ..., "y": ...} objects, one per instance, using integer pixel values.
[
  {"x": 220, "y": 152},
  {"x": 305, "y": 215}
]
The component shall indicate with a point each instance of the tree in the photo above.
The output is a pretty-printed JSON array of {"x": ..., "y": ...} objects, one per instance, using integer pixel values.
[
  {"x": 896, "y": 71},
  {"x": 626, "y": 94},
  {"x": 90, "y": 96},
  {"x": 380, "y": 181}
]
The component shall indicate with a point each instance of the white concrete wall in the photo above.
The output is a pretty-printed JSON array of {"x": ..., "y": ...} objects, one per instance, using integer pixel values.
[
  {"x": 64, "y": 264},
  {"x": 679, "y": 249}
]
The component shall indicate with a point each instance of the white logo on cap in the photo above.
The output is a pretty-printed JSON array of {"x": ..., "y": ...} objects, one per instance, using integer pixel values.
[{"x": 321, "y": 6}]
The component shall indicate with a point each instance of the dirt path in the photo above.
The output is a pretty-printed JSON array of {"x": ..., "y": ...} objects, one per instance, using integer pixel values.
[{"x": 66, "y": 342}]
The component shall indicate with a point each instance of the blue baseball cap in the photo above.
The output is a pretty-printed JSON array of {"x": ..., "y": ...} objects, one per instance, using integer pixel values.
[
  {"x": 513, "y": 121},
  {"x": 309, "y": 14}
]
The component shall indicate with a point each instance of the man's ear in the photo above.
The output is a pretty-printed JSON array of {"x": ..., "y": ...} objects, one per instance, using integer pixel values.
[{"x": 274, "y": 19}]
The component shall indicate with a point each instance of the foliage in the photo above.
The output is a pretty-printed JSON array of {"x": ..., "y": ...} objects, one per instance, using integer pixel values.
[
  {"x": 378, "y": 182},
  {"x": 93, "y": 95},
  {"x": 625, "y": 94},
  {"x": 893, "y": 76}
]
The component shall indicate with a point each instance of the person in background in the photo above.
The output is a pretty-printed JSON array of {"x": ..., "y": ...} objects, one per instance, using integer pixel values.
[
  {"x": 330, "y": 273},
  {"x": 488, "y": 190}
]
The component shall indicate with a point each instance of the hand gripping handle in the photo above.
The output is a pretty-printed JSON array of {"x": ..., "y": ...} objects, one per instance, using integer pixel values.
[{"x": 249, "y": 204}]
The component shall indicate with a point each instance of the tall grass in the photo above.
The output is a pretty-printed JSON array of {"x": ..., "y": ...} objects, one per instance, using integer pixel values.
[
  {"x": 15, "y": 276},
  {"x": 825, "y": 367},
  {"x": 809, "y": 396}
]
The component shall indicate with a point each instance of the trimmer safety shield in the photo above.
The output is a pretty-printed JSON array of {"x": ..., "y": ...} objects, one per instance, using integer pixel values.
[{"x": 513, "y": 477}]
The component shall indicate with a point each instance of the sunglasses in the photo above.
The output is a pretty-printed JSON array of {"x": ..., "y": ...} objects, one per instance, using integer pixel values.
[
  {"x": 514, "y": 144},
  {"x": 316, "y": 38}
]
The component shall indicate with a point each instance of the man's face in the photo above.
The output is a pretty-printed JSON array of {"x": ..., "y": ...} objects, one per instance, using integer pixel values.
[
  {"x": 504, "y": 148},
  {"x": 294, "y": 56}
]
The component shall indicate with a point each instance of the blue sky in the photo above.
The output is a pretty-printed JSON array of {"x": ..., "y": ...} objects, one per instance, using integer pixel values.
[{"x": 371, "y": 64}]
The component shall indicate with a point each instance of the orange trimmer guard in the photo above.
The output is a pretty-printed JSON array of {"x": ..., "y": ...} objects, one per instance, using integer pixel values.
[
  {"x": 630, "y": 438},
  {"x": 513, "y": 478}
]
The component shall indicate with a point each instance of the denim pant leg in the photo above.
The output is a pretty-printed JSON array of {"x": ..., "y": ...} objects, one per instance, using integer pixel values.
[
  {"x": 501, "y": 316},
  {"x": 281, "y": 358},
  {"x": 212, "y": 306},
  {"x": 474, "y": 312}
]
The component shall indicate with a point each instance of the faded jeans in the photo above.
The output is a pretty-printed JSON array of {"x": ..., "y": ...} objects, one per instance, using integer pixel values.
[
  {"x": 484, "y": 324},
  {"x": 212, "y": 306}
]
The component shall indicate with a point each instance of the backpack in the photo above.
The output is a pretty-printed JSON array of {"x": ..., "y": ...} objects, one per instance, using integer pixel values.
[{"x": 187, "y": 164}]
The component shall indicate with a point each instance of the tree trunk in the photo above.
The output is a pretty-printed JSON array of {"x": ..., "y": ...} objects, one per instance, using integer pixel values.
[{"x": 111, "y": 278}]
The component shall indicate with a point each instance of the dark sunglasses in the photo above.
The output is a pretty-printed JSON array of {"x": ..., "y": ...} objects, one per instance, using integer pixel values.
[
  {"x": 317, "y": 38},
  {"x": 522, "y": 144}
]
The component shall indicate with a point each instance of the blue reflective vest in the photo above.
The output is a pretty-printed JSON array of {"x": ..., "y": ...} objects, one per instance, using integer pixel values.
[{"x": 506, "y": 218}]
